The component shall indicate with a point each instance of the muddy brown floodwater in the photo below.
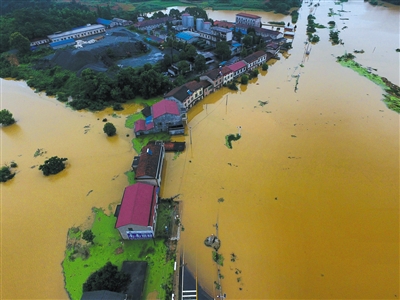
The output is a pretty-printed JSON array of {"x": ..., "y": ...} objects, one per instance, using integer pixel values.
[{"x": 311, "y": 190}]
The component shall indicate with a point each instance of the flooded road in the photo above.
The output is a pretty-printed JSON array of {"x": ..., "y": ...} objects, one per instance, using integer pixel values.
[{"x": 310, "y": 192}]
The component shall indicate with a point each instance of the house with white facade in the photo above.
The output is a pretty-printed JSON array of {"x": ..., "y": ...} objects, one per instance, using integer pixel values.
[{"x": 248, "y": 19}]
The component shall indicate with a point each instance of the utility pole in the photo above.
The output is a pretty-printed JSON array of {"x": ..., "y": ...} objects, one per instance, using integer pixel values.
[{"x": 190, "y": 134}]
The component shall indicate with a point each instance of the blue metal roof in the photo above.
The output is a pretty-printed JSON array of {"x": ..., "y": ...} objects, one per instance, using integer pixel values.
[
  {"x": 103, "y": 21},
  {"x": 184, "y": 36},
  {"x": 60, "y": 43},
  {"x": 236, "y": 44}
]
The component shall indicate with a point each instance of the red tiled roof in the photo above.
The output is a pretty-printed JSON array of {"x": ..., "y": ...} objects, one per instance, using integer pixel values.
[
  {"x": 146, "y": 23},
  {"x": 137, "y": 205},
  {"x": 246, "y": 15},
  {"x": 193, "y": 85},
  {"x": 148, "y": 163},
  {"x": 226, "y": 70},
  {"x": 224, "y": 24},
  {"x": 141, "y": 125},
  {"x": 165, "y": 107},
  {"x": 237, "y": 66}
]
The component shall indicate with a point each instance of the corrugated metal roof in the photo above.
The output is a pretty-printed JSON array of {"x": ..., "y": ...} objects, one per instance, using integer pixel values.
[
  {"x": 60, "y": 43},
  {"x": 184, "y": 36}
]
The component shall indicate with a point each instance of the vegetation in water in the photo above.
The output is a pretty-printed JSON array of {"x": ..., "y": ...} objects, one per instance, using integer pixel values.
[
  {"x": 334, "y": 37},
  {"x": 53, "y": 165},
  {"x": 6, "y": 117},
  {"x": 108, "y": 246},
  {"x": 218, "y": 258},
  {"x": 392, "y": 96},
  {"x": 6, "y": 174},
  {"x": 109, "y": 129},
  {"x": 231, "y": 137},
  {"x": 264, "y": 67},
  {"x": 295, "y": 16}
]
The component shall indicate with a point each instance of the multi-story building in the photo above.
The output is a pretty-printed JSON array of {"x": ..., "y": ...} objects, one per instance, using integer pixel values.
[
  {"x": 188, "y": 94},
  {"x": 216, "y": 34},
  {"x": 255, "y": 60},
  {"x": 248, "y": 19},
  {"x": 238, "y": 68}
]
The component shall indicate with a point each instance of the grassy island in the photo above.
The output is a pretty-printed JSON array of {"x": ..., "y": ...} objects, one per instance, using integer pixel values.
[
  {"x": 392, "y": 95},
  {"x": 83, "y": 258}
]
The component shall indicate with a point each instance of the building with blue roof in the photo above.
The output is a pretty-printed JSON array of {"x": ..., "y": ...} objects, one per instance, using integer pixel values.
[
  {"x": 187, "y": 36},
  {"x": 62, "y": 44},
  {"x": 106, "y": 23}
]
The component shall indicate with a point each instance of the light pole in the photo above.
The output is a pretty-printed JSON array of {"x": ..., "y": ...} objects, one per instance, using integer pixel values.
[{"x": 239, "y": 127}]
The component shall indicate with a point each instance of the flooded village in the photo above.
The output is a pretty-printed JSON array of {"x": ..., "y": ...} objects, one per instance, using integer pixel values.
[{"x": 304, "y": 204}]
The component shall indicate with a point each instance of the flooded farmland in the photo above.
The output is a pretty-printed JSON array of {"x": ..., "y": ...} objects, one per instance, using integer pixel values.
[{"x": 310, "y": 191}]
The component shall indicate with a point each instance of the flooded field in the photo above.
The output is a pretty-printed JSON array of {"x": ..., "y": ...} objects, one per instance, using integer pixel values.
[{"x": 310, "y": 191}]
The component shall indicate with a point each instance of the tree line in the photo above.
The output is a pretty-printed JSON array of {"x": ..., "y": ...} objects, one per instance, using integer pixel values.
[{"x": 38, "y": 22}]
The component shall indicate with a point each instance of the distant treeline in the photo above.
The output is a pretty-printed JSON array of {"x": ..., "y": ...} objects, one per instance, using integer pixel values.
[{"x": 38, "y": 22}]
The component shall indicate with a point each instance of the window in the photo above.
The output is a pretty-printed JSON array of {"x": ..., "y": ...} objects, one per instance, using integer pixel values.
[{"x": 130, "y": 229}]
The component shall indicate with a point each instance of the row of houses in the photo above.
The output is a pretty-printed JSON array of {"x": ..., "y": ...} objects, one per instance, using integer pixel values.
[
  {"x": 169, "y": 115},
  {"x": 137, "y": 213}
]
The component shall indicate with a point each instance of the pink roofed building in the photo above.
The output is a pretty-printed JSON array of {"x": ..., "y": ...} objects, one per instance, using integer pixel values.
[
  {"x": 164, "y": 116},
  {"x": 238, "y": 68},
  {"x": 138, "y": 212}
]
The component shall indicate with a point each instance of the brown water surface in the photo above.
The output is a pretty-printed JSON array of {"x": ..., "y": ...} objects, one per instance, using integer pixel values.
[{"x": 310, "y": 191}]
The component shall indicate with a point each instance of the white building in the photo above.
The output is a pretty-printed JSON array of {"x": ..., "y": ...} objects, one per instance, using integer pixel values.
[
  {"x": 248, "y": 19},
  {"x": 77, "y": 33}
]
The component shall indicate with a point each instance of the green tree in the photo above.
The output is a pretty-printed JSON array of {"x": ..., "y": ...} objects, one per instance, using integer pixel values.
[
  {"x": 107, "y": 278},
  {"x": 222, "y": 50},
  {"x": 244, "y": 79},
  {"x": 200, "y": 64},
  {"x": 264, "y": 67},
  {"x": 88, "y": 236},
  {"x": 247, "y": 41},
  {"x": 53, "y": 165},
  {"x": 19, "y": 42},
  {"x": 6, "y": 117},
  {"x": 109, "y": 129},
  {"x": 183, "y": 66},
  {"x": 5, "y": 174}
]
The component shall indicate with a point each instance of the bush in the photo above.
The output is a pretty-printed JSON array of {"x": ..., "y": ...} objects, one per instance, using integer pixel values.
[
  {"x": 109, "y": 129},
  {"x": 264, "y": 67},
  {"x": 53, "y": 165},
  {"x": 88, "y": 236},
  {"x": 232, "y": 86},
  {"x": 244, "y": 79},
  {"x": 254, "y": 73},
  {"x": 107, "y": 278},
  {"x": 5, "y": 174},
  {"x": 6, "y": 118}
]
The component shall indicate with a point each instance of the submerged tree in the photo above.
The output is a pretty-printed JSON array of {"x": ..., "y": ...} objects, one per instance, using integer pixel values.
[
  {"x": 109, "y": 129},
  {"x": 5, "y": 174},
  {"x": 53, "y": 165},
  {"x": 6, "y": 117}
]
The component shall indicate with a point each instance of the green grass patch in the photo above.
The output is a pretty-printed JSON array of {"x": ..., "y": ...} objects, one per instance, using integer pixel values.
[
  {"x": 165, "y": 213},
  {"x": 392, "y": 96},
  {"x": 131, "y": 177},
  {"x": 108, "y": 246},
  {"x": 130, "y": 120},
  {"x": 231, "y": 137},
  {"x": 141, "y": 141}
]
